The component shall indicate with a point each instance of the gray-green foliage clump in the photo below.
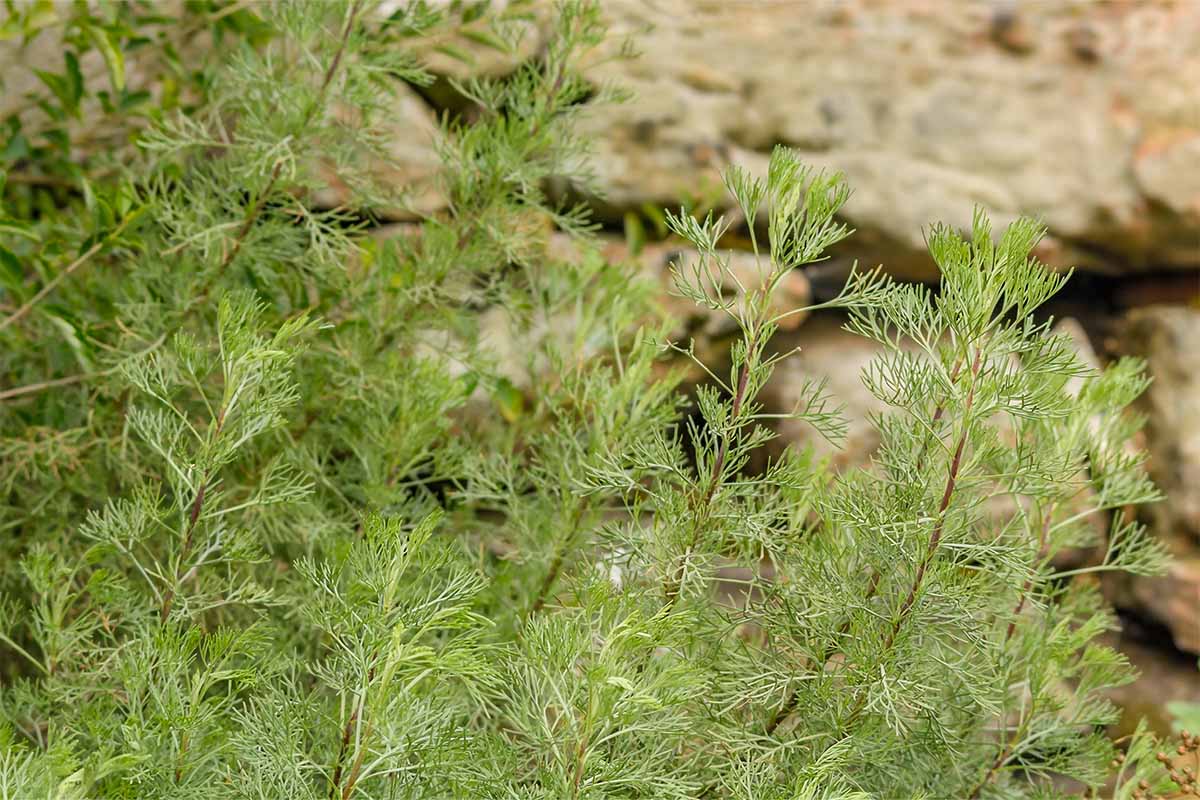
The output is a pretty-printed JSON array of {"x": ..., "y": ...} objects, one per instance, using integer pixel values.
[{"x": 279, "y": 522}]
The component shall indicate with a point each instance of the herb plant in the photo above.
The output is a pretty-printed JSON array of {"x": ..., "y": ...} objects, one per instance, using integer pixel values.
[{"x": 295, "y": 510}]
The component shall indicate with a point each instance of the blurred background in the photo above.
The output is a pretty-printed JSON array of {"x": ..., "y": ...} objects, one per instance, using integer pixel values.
[{"x": 1084, "y": 114}]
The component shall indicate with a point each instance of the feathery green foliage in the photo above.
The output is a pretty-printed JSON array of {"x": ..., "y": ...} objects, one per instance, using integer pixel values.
[{"x": 294, "y": 510}]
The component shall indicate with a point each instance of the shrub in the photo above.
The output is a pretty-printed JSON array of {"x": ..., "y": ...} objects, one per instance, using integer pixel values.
[{"x": 282, "y": 520}]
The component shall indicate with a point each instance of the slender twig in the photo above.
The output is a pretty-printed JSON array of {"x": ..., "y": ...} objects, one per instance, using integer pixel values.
[
  {"x": 347, "y": 730},
  {"x": 41, "y": 386},
  {"x": 336, "y": 789},
  {"x": 193, "y": 518},
  {"x": 561, "y": 549},
  {"x": 672, "y": 589},
  {"x": 183, "y": 749},
  {"x": 1027, "y": 586},
  {"x": 581, "y": 747},
  {"x": 935, "y": 536},
  {"x": 34, "y": 388},
  {"x": 356, "y": 768},
  {"x": 938, "y": 412},
  {"x": 1004, "y": 755},
  {"x": 27, "y": 179},
  {"x": 185, "y": 551},
  {"x": 53, "y": 283},
  {"x": 789, "y": 705},
  {"x": 580, "y": 757},
  {"x": 6, "y": 640},
  {"x": 555, "y": 86}
]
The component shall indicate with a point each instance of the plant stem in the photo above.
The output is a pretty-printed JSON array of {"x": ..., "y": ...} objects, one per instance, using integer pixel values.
[
  {"x": 66, "y": 273},
  {"x": 561, "y": 549},
  {"x": 348, "y": 731},
  {"x": 1003, "y": 756},
  {"x": 672, "y": 589},
  {"x": 935, "y": 536},
  {"x": 183, "y": 748},
  {"x": 356, "y": 768},
  {"x": 34, "y": 388},
  {"x": 1027, "y": 586},
  {"x": 185, "y": 551},
  {"x": 938, "y": 412},
  {"x": 789, "y": 705}
]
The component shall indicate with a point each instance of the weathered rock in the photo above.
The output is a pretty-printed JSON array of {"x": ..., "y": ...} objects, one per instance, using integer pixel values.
[
  {"x": 1174, "y": 600},
  {"x": 1011, "y": 30},
  {"x": 1085, "y": 499},
  {"x": 1167, "y": 337},
  {"x": 1084, "y": 114},
  {"x": 1166, "y": 172}
]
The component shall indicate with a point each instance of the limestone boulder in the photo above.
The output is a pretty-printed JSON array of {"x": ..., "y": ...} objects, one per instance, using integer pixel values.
[
  {"x": 1168, "y": 337},
  {"x": 1085, "y": 114}
]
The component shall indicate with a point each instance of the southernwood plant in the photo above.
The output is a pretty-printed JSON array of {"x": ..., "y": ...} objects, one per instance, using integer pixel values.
[{"x": 289, "y": 509}]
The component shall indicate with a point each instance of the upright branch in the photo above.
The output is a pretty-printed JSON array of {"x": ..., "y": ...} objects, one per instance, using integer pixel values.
[
  {"x": 716, "y": 475},
  {"x": 1043, "y": 550},
  {"x": 562, "y": 547},
  {"x": 935, "y": 536},
  {"x": 185, "y": 550},
  {"x": 789, "y": 705},
  {"x": 801, "y": 208}
]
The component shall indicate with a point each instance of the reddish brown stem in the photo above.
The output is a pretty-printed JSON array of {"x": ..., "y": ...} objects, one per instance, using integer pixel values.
[
  {"x": 938, "y": 412},
  {"x": 185, "y": 551},
  {"x": 355, "y": 769},
  {"x": 347, "y": 730},
  {"x": 577, "y": 777},
  {"x": 1043, "y": 550},
  {"x": 539, "y": 601},
  {"x": 556, "y": 563},
  {"x": 935, "y": 537},
  {"x": 183, "y": 748},
  {"x": 335, "y": 788},
  {"x": 714, "y": 478},
  {"x": 931, "y": 548},
  {"x": 1026, "y": 588},
  {"x": 789, "y": 705},
  {"x": 1001, "y": 757}
]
